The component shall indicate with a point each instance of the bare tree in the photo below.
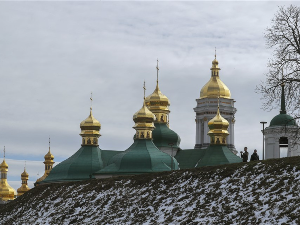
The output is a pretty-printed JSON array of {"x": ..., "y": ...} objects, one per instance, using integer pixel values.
[{"x": 284, "y": 37}]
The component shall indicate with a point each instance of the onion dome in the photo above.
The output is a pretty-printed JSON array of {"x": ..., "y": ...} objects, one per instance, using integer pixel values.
[
  {"x": 90, "y": 128},
  {"x": 4, "y": 165},
  {"x": 143, "y": 115},
  {"x": 48, "y": 165},
  {"x": 218, "y": 129},
  {"x": 24, "y": 188},
  {"x": 143, "y": 122},
  {"x": 158, "y": 103},
  {"x": 48, "y": 156},
  {"x": 283, "y": 119},
  {"x": 24, "y": 174},
  {"x": 215, "y": 87},
  {"x": 6, "y": 191}
]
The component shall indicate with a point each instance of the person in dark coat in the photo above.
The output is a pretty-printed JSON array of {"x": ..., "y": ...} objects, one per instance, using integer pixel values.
[
  {"x": 244, "y": 155},
  {"x": 254, "y": 156}
]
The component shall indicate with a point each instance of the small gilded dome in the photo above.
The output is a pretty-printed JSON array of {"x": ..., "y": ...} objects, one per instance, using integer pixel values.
[
  {"x": 24, "y": 174},
  {"x": 4, "y": 164},
  {"x": 218, "y": 123},
  {"x": 49, "y": 156},
  {"x": 90, "y": 123},
  {"x": 144, "y": 115},
  {"x": 215, "y": 87},
  {"x": 157, "y": 100}
]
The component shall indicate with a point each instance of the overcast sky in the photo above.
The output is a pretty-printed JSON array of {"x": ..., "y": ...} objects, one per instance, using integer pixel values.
[{"x": 54, "y": 54}]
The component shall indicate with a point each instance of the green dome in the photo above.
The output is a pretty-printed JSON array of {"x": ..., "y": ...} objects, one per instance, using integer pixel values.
[
  {"x": 141, "y": 157},
  {"x": 80, "y": 166},
  {"x": 162, "y": 136},
  {"x": 283, "y": 120}
]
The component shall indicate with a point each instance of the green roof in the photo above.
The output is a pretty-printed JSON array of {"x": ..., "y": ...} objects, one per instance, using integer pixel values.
[
  {"x": 162, "y": 136},
  {"x": 141, "y": 157},
  {"x": 79, "y": 166},
  {"x": 188, "y": 158},
  {"x": 107, "y": 155},
  {"x": 218, "y": 155},
  {"x": 283, "y": 120}
]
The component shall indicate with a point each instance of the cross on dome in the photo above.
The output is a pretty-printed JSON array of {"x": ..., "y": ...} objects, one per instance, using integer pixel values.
[
  {"x": 144, "y": 87},
  {"x": 91, "y": 98}
]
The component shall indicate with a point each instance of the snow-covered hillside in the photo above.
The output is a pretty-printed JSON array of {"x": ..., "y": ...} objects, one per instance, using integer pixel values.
[{"x": 265, "y": 192}]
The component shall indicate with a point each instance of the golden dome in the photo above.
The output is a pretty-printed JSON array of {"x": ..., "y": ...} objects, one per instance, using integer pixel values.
[
  {"x": 144, "y": 115},
  {"x": 157, "y": 100},
  {"x": 49, "y": 156},
  {"x": 24, "y": 174},
  {"x": 218, "y": 129},
  {"x": 4, "y": 164},
  {"x": 90, "y": 123},
  {"x": 215, "y": 87},
  {"x": 24, "y": 188},
  {"x": 218, "y": 123}
]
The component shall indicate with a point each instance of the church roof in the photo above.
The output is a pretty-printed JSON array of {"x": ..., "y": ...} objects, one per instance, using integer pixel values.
[
  {"x": 163, "y": 136},
  {"x": 188, "y": 158},
  {"x": 79, "y": 166},
  {"x": 218, "y": 155},
  {"x": 141, "y": 157},
  {"x": 283, "y": 120}
]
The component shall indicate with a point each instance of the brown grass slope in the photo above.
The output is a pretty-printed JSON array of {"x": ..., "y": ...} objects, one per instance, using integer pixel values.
[{"x": 265, "y": 192}]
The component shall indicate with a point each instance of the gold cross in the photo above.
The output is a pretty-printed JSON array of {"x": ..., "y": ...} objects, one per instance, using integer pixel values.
[
  {"x": 91, "y": 98},
  {"x": 144, "y": 89},
  {"x": 157, "y": 69}
]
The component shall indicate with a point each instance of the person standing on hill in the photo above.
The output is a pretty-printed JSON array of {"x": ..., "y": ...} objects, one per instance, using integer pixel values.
[
  {"x": 244, "y": 155},
  {"x": 254, "y": 156}
]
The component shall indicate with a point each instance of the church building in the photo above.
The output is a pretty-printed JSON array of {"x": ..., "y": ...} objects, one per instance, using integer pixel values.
[{"x": 207, "y": 107}]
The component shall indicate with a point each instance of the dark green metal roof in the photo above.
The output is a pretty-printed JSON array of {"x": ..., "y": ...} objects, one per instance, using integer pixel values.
[
  {"x": 162, "y": 136},
  {"x": 79, "y": 166},
  {"x": 283, "y": 120},
  {"x": 141, "y": 157},
  {"x": 107, "y": 155},
  {"x": 218, "y": 155},
  {"x": 188, "y": 158}
]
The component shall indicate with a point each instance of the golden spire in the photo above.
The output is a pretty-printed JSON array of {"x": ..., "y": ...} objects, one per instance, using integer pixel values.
[
  {"x": 158, "y": 103},
  {"x": 48, "y": 164},
  {"x": 144, "y": 87},
  {"x": 24, "y": 187},
  {"x": 215, "y": 86},
  {"x": 144, "y": 121},
  {"x": 6, "y": 191},
  {"x": 215, "y": 53},
  {"x": 157, "y": 69},
  {"x": 218, "y": 129},
  {"x": 91, "y": 98},
  {"x": 90, "y": 129}
]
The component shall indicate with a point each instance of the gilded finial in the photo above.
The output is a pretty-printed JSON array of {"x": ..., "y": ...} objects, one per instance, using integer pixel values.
[
  {"x": 4, "y": 153},
  {"x": 157, "y": 69},
  {"x": 215, "y": 53},
  {"x": 144, "y": 90},
  {"x": 49, "y": 143},
  {"x": 91, "y": 98},
  {"x": 25, "y": 166}
]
